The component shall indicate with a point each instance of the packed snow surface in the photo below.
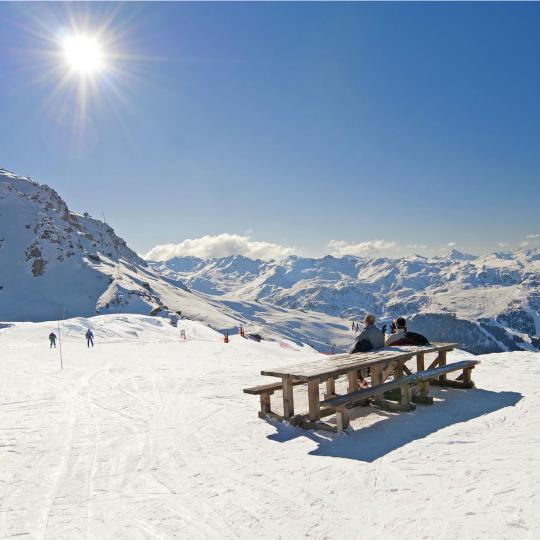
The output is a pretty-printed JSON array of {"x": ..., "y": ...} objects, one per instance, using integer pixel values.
[{"x": 149, "y": 436}]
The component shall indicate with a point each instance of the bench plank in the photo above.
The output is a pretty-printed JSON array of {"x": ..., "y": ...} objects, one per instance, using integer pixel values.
[
  {"x": 267, "y": 388},
  {"x": 423, "y": 376}
]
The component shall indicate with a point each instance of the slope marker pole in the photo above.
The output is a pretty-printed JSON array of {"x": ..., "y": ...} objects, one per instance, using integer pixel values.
[{"x": 60, "y": 341}]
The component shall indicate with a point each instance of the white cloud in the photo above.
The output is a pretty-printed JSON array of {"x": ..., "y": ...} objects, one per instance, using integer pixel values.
[
  {"x": 416, "y": 246},
  {"x": 531, "y": 236},
  {"x": 446, "y": 247},
  {"x": 339, "y": 248},
  {"x": 220, "y": 245},
  {"x": 503, "y": 244},
  {"x": 525, "y": 243}
]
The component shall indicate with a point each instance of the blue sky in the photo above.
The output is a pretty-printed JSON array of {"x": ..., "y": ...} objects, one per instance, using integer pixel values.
[{"x": 297, "y": 124}]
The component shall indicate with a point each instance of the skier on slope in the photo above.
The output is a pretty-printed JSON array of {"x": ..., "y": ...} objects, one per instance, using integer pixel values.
[
  {"x": 52, "y": 340},
  {"x": 89, "y": 338}
]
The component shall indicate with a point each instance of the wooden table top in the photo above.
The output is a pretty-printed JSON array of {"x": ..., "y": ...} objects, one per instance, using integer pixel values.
[{"x": 342, "y": 363}]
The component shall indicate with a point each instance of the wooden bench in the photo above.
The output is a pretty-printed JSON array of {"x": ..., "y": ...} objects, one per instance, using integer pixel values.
[
  {"x": 339, "y": 404},
  {"x": 383, "y": 363},
  {"x": 265, "y": 391}
]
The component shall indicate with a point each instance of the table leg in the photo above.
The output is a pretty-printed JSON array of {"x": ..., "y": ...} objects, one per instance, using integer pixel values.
[
  {"x": 442, "y": 362},
  {"x": 288, "y": 400},
  {"x": 352, "y": 376},
  {"x": 376, "y": 379},
  {"x": 420, "y": 365},
  {"x": 330, "y": 388},
  {"x": 314, "y": 401},
  {"x": 406, "y": 396},
  {"x": 423, "y": 388}
]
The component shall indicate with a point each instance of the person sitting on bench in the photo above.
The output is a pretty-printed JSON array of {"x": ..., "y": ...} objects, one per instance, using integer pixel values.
[
  {"x": 370, "y": 337},
  {"x": 400, "y": 335}
]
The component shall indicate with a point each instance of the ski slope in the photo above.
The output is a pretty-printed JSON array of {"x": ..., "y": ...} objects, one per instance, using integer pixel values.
[{"x": 147, "y": 436}]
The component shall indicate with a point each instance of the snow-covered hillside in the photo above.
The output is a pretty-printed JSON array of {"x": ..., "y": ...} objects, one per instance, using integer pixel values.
[
  {"x": 56, "y": 263},
  {"x": 148, "y": 436},
  {"x": 489, "y": 303}
]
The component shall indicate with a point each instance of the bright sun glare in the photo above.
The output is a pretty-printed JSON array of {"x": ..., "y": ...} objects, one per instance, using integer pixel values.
[{"x": 83, "y": 54}]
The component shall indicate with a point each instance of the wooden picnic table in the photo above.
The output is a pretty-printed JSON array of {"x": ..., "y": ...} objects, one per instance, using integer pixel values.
[{"x": 382, "y": 363}]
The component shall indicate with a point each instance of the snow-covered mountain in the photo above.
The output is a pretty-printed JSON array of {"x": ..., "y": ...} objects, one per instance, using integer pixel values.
[
  {"x": 57, "y": 263},
  {"x": 54, "y": 262},
  {"x": 488, "y": 303}
]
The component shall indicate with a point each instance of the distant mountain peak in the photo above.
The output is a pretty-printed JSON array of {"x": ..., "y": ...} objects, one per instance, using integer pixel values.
[{"x": 456, "y": 255}]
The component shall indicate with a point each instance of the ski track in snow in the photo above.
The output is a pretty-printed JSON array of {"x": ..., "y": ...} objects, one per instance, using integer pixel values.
[{"x": 154, "y": 439}]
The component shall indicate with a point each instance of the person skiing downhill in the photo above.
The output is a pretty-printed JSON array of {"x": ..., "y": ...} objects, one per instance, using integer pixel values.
[
  {"x": 52, "y": 340},
  {"x": 89, "y": 338}
]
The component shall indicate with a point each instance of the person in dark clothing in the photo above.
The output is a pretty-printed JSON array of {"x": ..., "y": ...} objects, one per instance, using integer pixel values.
[
  {"x": 89, "y": 338},
  {"x": 370, "y": 337},
  {"x": 401, "y": 336},
  {"x": 52, "y": 340}
]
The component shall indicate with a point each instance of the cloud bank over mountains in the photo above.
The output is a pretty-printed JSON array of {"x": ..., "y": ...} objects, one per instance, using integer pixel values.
[
  {"x": 221, "y": 245},
  {"x": 339, "y": 248},
  {"x": 227, "y": 244}
]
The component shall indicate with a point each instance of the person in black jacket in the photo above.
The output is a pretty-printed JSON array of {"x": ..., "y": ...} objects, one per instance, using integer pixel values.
[
  {"x": 401, "y": 336},
  {"x": 89, "y": 338}
]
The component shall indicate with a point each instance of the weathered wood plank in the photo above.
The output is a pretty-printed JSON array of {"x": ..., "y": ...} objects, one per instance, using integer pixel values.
[
  {"x": 388, "y": 370},
  {"x": 288, "y": 399},
  {"x": 330, "y": 388},
  {"x": 265, "y": 403},
  {"x": 435, "y": 362},
  {"x": 420, "y": 361},
  {"x": 342, "y": 419},
  {"x": 335, "y": 365},
  {"x": 377, "y": 378},
  {"x": 406, "y": 395},
  {"x": 398, "y": 370},
  {"x": 409, "y": 379},
  {"x": 314, "y": 401},
  {"x": 442, "y": 362},
  {"x": 267, "y": 388},
  {"x": 434, "y": 347},
  {"x": 352, "y": 377}
]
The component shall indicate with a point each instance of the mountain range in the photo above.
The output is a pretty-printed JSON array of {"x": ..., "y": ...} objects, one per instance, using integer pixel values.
[
  {"x": 488, "y": 303},
  {"x": 56, "y": 263}
]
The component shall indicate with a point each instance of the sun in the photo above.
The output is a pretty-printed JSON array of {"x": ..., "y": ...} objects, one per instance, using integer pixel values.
[{"x": 83, "y": 54}]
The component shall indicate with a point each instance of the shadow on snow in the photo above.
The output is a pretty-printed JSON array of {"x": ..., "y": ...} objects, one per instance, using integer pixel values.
[{"x": 394, "y": 430}]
